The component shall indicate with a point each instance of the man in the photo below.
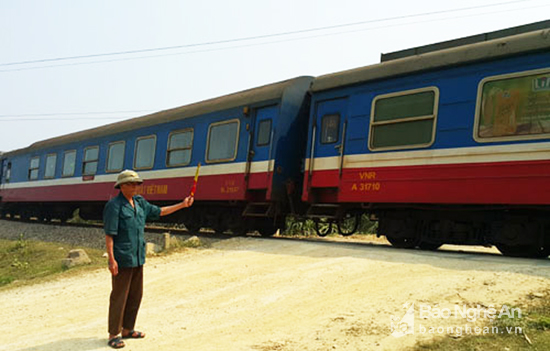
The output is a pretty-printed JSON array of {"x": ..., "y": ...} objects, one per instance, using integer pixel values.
[{"x": 124, "y": 221}]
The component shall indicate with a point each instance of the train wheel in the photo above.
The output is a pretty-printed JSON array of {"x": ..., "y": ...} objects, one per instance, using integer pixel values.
[
  {"x": 402, "y": 242},
  {"x": 240, "y": 228},
  {"x": 240, "y": 231},
  {"x": 218, "y": 229},
  {"x": 237, "y": 224},
  {"x": 268, "y": 230},
  {"x": 348, "y": 225},
  {"x": 323, "y": 227},
  {"x": 400, "y": 232},
  {"x": 429, "y": 246},
  {"x": 532, "y": 251},
  {"x": 192, "y": 227},
  {"x": 215, "y": 222}
]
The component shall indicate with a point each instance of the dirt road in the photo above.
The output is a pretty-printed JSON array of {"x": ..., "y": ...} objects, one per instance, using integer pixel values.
[{"x": 253, "y": 294}]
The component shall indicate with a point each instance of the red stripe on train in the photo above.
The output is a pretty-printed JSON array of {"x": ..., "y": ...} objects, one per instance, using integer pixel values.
[
  {"x": 476, "y": 183},
  {"x": 212, "y": 187}
]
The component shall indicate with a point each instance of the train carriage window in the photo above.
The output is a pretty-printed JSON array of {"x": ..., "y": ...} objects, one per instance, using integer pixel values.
[
  {"x": 91, "y": 159},
  {"x": 115, "y": 156},
  {"x": 179, "y": 148},
  {"x": 69, "y": 163},
  {"x": 34, "y": 167},
  {"x": 513, "y": 107},
  {"x": 404, "y": 120},
  {"x": 330, "y": 129},
  {"x": 223, "y": 138},
  {"x": 8, "y": 172},
  {"x": 145, "y": 152},
  {"x": 51, "y": 162},
  {"x": 264, "y": 132}
]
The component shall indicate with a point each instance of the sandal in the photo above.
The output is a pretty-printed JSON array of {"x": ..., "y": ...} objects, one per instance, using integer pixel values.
[
  {"x": 134, "y": 334},
  {"x": 116, "y": 343}
]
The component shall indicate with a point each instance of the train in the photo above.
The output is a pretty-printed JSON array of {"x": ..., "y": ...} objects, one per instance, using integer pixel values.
[{"x": 441, "y": 144}]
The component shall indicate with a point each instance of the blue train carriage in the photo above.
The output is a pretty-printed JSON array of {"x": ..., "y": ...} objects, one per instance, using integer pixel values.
[
  {"x": 246, "y": 142},
  {"x": 3, "y": 170},
  {"x": 448, "y": 146}
]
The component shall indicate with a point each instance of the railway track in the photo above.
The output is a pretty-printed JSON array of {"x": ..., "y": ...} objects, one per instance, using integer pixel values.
[
  {"x": 158, "y": 229},
  {"x": 367, "y": 241}
]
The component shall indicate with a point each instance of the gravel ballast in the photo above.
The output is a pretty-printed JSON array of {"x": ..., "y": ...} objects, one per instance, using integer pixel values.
[{"x": 77, "y": 236}]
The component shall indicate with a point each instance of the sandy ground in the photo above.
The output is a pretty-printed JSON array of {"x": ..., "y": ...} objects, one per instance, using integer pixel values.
[{"x": 254, "y": 294}]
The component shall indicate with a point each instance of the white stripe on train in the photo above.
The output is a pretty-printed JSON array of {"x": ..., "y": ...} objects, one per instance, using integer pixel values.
[
  {"x": 227, "y": 168},
  {"x": 463, "y": 155}
]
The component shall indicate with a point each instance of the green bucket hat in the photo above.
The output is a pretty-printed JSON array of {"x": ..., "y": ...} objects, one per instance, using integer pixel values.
[{"x": 127, "y": 176}]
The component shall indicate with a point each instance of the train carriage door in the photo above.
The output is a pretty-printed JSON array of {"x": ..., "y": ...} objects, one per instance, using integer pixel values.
[
  {"x": 3, "y": 166},
  {"x": 261, "y": 150},
  {"x": 328, "y": 143}
]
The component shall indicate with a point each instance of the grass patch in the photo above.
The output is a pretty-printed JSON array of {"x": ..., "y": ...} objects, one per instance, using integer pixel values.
[
  {"x": 27, "y": 261},
  {"x": 306, "y": 227},
  {"x": 534, "y": 334}
]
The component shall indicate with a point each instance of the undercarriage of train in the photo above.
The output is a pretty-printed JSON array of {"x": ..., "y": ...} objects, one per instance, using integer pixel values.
[{"x": 517, "y": 232}]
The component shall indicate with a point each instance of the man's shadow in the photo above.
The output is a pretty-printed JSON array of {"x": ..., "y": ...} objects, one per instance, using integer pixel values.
[{"x": 81, "y": 344}]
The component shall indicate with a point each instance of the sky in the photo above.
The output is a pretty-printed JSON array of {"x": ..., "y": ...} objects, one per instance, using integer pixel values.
[{"x": 67, "y": 66}]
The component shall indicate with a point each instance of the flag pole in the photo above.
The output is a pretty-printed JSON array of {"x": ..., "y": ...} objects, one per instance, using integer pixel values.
[{"x": 194, "y": 188}]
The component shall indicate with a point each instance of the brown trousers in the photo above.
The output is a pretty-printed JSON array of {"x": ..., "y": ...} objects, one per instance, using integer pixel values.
[{"x": 125, "y": 299}]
